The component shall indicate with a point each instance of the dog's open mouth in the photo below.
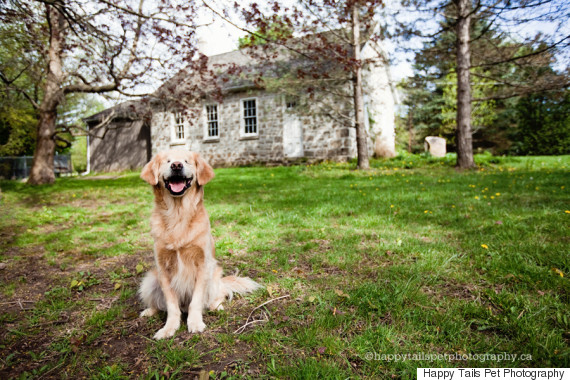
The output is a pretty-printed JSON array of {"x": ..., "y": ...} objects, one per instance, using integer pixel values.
[{"x": 177, "y": 185}]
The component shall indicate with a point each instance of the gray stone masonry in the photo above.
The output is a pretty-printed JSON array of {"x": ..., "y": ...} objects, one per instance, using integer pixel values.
[{"x": 322, "y": 139}]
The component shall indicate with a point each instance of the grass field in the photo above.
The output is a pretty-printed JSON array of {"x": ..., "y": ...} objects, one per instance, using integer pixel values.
[{"x": 410, "y": 258}]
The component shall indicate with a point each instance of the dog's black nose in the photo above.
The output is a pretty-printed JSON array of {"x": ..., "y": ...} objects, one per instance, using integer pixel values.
[{"x": 176, "y": 165}]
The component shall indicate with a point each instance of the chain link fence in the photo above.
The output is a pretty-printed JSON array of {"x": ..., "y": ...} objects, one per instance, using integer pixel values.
[{"x": 19, "y": 167}]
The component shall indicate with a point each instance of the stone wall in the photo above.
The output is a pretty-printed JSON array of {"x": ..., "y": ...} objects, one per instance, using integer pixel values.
[
  {"x": 125, "y": 146},
  {"x": 322, "y": 139}
]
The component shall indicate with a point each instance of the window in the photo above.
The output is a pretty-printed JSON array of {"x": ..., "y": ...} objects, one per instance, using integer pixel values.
[
  {"x": 291, "y": 102},
  {"x": 179, "y": 121},
  {"x": 212, "y": 121},
  {"x": 249, "y": 117}
]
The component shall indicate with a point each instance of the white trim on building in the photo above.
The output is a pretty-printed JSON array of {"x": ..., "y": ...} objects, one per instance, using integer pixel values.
[
  {"x": 212, "y": 121},
  {"x": 249, "y": 117}
]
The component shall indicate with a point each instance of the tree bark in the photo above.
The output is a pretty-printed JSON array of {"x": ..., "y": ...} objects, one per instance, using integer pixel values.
[
  {"x": 361, "y": 134},
  {"x": 42, "y": 171},
  {"x": 464, "y": 134},
  {"x": 410, "y": 129}
]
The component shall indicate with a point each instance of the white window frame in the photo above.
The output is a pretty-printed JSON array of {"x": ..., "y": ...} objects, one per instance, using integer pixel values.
[
  {"x": 207, "y": 121},
  {"x": 175, "y": 134},
  {"x": 243, "y": 133}
]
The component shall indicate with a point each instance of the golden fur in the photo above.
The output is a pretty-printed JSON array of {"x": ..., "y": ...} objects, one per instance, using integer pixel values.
[{"x": 187, "y": 276}]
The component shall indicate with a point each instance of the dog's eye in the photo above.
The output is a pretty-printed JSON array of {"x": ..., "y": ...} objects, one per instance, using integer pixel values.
[
  {"x": 186, "y": 161},
  {"x": 168, "y": 161}
]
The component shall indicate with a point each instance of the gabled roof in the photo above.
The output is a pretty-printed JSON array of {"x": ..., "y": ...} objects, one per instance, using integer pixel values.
[
  {"x": 127, "y": 111},
  {"x": 238, "y": 70}
]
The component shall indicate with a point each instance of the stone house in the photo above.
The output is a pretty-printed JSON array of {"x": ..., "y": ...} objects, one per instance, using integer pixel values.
[{"x": 248, "y": 124}]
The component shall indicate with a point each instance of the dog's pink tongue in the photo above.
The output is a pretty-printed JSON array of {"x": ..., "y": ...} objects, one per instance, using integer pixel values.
[{"x": 177, "y": 186}]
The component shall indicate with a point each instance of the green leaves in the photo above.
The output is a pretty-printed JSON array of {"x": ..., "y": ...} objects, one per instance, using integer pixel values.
[{"x": 83, "y": 280}]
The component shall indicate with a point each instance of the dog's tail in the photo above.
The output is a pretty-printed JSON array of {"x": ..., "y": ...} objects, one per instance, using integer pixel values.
[{"x": 240, "y": 285}]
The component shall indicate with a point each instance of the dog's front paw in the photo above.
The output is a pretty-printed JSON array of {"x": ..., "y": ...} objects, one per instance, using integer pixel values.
[
  {"x": 196, "y": 325},
  {"x": 148, "y": 312},
  {"x": 165, "y": 332}
]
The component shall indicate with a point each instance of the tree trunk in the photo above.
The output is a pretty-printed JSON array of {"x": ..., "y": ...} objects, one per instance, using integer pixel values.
[
  {"x": 464, "y": 138},
  {"x": 410, "y": 129},
  {"x": 42, "y": 167},
  {"x": 361, "y": 134}
]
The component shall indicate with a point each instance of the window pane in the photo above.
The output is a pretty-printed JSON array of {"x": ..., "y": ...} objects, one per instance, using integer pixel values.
[
  {"x": 250, "y": 116},
  {"x": 179, "y": 118},
  {"x": 212, "y": 115},
  {"x": 213, "y": 129}
]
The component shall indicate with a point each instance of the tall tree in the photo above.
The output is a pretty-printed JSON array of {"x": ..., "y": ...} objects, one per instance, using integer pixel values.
[
  {"x": 464, "y": 132},
  {"x": 459, "y": 18},
  {"x": 99, "y": 46}
]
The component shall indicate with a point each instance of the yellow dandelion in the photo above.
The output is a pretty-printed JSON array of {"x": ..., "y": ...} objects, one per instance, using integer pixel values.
[
  {"x": 492, "y": 197},
  {"x": 497, "y": 194},
  {"x": 476, "y": 197},
  {"x": 558, "y": 272},
  {"x": 452, "y": 206},
  {"x": 426, "y": 211},
  {"x": 567, "y": 211},
  {"x": 485, "y": 246},
  {"x": 391, "y": 206}
]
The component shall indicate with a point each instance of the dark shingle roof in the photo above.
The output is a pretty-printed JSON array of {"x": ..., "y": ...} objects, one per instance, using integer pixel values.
[
  {"x": 238, "y": 70},
  {"x": 129, "y": 110}
]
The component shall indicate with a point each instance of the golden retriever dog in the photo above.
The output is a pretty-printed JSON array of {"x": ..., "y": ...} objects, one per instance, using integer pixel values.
[{"x": 187, "y": 276}]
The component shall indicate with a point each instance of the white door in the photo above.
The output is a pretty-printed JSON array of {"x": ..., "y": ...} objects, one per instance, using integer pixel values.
[{"x": 292, "y": 134}]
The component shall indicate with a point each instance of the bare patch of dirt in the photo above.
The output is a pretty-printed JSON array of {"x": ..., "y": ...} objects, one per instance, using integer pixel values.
[
  {"x": 31, "y": 276},
  {"x": 452, "y": 289}
]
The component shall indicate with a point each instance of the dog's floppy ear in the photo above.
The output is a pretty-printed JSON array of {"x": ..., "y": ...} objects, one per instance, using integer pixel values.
[
  {"x": 204, "y": 172},
  {"x": 150, "y": 170}
]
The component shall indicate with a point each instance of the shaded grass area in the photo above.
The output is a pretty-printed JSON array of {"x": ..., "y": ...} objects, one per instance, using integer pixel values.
[{"x": 410, "y": 258}]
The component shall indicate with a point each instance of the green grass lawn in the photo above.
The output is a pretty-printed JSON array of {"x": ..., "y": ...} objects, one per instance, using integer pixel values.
[{"x": 410, "y": 258}]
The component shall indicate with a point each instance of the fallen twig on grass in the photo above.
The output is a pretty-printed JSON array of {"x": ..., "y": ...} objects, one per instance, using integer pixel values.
[
  {"x": 247, "y": 322},
  {"x": 104, "y": 303},
  {"x": 20, "y": 303},
  {"x": 16, "y": 302},
  {"x": 242, "y": 328}
]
